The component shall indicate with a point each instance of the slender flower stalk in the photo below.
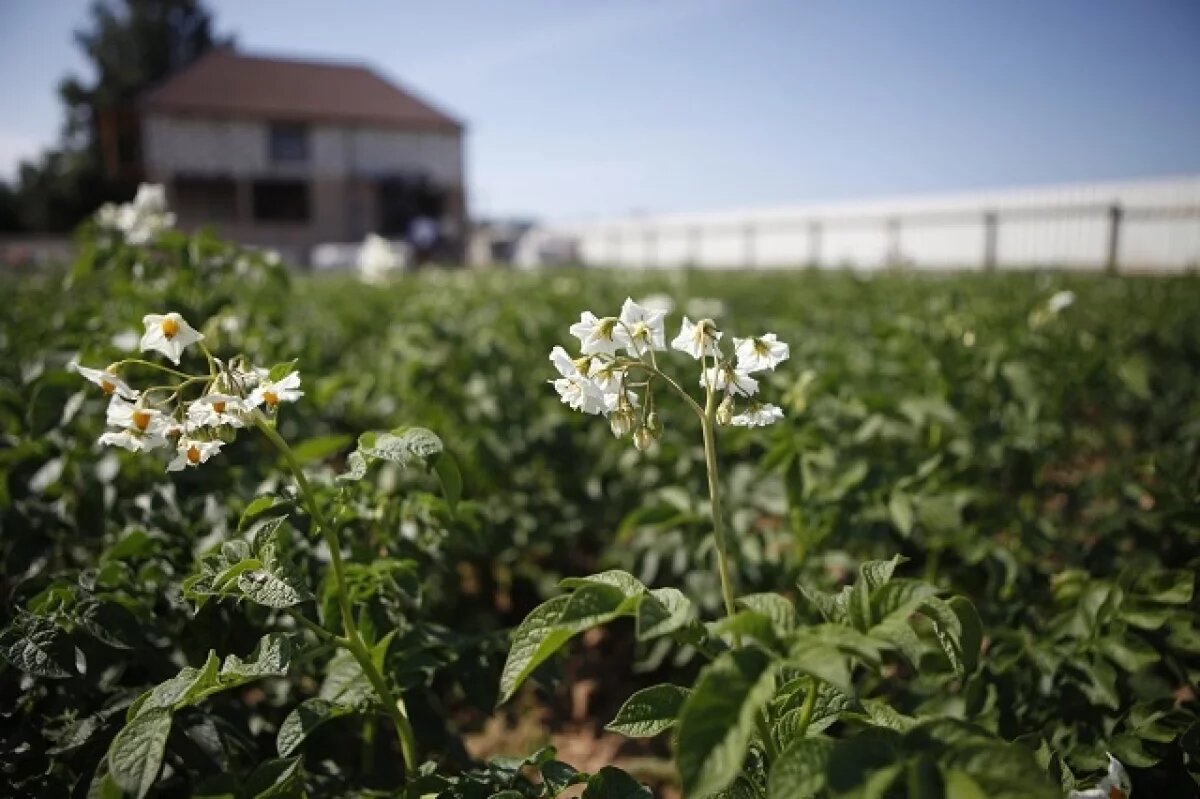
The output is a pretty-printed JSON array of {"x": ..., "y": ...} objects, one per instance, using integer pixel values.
[{"x": 351, "y": 640}]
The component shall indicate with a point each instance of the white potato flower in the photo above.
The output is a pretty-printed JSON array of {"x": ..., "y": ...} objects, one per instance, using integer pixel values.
[
  {"x": 599, "y": 336},
  {"x": 132, "y": 440},
  {"x": 272, "y": 392},
  {"x": 761, "y": 352},
  {"x": 580, "y": 394},
  {"x": 1060, "y": 301},
  {"x": 697, "y": 339},
  {"x": 758, "y": 416},
  {"x": 644, "y": 327},
  {"x": 192, "y": 452},
  {"x": 169, "y": 334},
  {"x": 658, "y": 302},
  {"x": 1114, "y": 785},
  {"x": 141, "y": 220},
  {"x": 377, "y": 258},
  {"x": 729, "y": 379},
  {"x": 109, "y": 383},
  {"x": 133, "y": 416},
  {"x": 214, "y": 410}
]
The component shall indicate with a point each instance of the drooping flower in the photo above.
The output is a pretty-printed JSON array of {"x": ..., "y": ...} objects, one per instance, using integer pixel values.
[
  {"x": 729, "y": 379},
  {"x": 580, "y": 394},
  {"x": 214, "y": 410},
  {"x": 272, "y": 392},
  {"x": 192, "y": 452},
  {"x": 758, "y": 353},
  {"x": 169, "y": 334},
  {"x": 758, "y": 415},
  {"x": 109, "y": 383},
  {"x": 644, "y": 327},
  {"x": 1113, "y": 785},
  {"x": 698, "y": 339},
  {"x": 599, "y": 336}
]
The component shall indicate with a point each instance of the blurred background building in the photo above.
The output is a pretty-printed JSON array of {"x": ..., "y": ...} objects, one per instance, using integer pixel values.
[{"x": 292, "y": 153}]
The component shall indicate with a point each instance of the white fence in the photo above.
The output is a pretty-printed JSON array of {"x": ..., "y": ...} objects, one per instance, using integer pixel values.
[{"x": 1138, "y": 225}]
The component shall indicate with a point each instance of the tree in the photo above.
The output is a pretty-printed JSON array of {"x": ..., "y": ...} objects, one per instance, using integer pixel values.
[{"x": 132, "y": 45}]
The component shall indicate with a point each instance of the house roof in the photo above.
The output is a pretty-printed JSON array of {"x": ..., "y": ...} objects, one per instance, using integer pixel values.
[{"x": 226, "y": 83}]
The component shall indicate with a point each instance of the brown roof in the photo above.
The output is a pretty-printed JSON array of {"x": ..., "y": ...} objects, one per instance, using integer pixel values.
[{"x": 226, "y": 83}]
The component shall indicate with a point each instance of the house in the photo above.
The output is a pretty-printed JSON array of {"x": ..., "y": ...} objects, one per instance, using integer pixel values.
[{"x": 290, "y": 154}]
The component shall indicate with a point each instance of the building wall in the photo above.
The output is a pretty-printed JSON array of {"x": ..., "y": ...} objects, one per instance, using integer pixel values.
[
  {"x": 341, "y": 169},
  {"x": 1059, "y": 226},
  {"x": 239, "y": 148}
]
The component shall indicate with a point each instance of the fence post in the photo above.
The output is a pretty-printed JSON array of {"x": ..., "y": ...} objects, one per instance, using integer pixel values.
[
  {"x": 1114, "y": 238},
  {"x": 892, "y": 256},
  {"x": 990, "y": 225},
  {"x": 694, "y": 245},
  {"x": 814, "y": 243},
  {"x": 748, "y": 235}
]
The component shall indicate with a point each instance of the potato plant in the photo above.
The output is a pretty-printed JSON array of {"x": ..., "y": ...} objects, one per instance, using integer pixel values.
[{"x": 958, "y": 561}]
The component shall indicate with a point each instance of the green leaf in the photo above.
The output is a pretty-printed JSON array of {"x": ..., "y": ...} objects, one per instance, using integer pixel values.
[
  {"x": 276, "y": 779},
  {"x": 613, "y": 783},
  {"x": 882, "y": 714},
  {"x": 799, "y": 772},
  {"x": 320, "y": 447},
  {"x": 356, "y": 468},
  {"x": 345, "y": 684},
  {"x": 649, "y": 711},
  {"x": 662, "y": 611},
  {"x": 259, "y": 508},
  {"x": 275, "y": 582},
  {"x": 405, "y": 446},
  {"x": 308, "y": 715},
  {"x": 971, "y": 642},
  {"x": 37, "y": 646},
  {"x": 775, "y": 607},
  {"x": 959, "y": 785},
  {"x": 281, "y": 370},
  {"x": 718, "y": 719},
  {"x": 533, "y": 641},
  {"x": 136, "y": 754},
  {"x": 900, "y": 508}
]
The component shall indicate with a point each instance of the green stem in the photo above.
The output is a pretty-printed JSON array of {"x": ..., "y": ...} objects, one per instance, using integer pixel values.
[
  {"x": 764, "y": 732},
  {"x": 806, "y": 710},
  {"x": 707, "y": 424},
  {"x": 352, "y": 641}
]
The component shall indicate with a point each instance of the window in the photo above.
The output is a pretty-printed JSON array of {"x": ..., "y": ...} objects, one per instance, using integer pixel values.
[
  {"x": 288, "y": 142},
  {"x": 199, "y": 200},
  {"x": 281, "y": 201}
]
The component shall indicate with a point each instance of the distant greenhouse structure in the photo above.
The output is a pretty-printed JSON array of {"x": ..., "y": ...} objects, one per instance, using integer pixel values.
[{"x": 1128, "y": 226}]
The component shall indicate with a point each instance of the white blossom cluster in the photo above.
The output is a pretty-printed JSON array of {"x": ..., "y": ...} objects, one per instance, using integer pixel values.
[
  {"x": 231, "y": 396},
  {"x": 377, "y": 258},
  {"x": 141, "y": 220},
  {"x": 618, "y": 359},
  {"x": 1113, "y": 785}
]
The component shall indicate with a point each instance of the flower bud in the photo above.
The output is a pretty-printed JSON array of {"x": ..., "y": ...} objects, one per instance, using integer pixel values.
[
  {"x": 725, "y": 410},
  {"x": 654, "y": 424},
  {"x": 642, "y": 439},
  {"x": 621, "y": 422}
]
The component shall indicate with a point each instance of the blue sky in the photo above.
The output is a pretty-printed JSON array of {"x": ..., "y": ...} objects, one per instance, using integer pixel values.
[{"x": 591, "y": 107}]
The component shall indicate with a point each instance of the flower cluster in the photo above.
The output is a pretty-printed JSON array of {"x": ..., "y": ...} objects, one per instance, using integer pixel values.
[
  {"x": 377, "y": 258},
  {"x": 617, "y": 370},
  {"x": 230, "y": 396},
  {"x": 139, "y": 221},
  {"x": 1113, "y": 785}
]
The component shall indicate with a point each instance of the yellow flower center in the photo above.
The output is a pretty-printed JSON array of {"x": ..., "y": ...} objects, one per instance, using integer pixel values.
[
  {"x": 193, "y": 454},
  {"x": 271, "y": 398},
  {"x": 107, "y": 387},
  {"x": 1116, "y": 793},
  {"x": 170, "y": 327},
  {"x": 141, "y": 420},
  {"x": 219, "y": 406}
]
